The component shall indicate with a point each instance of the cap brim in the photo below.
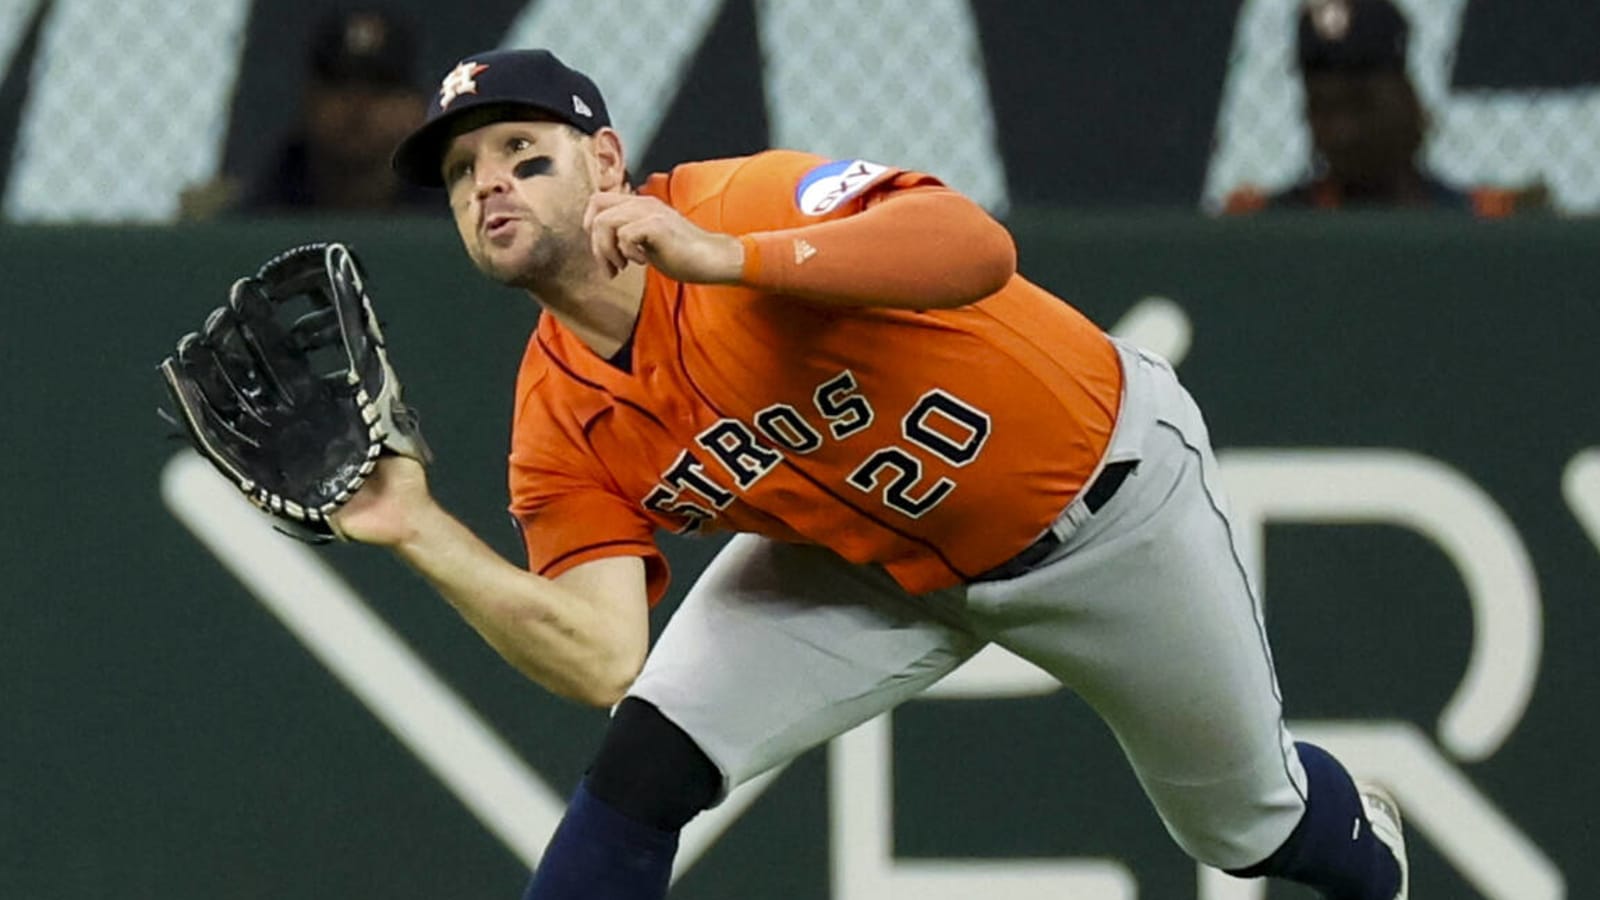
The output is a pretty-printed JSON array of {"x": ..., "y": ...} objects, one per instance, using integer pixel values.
[{"x": 418, "y": 158}]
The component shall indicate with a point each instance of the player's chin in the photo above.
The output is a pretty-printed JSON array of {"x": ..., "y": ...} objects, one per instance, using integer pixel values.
[
  {"x": 510, "y": 266},
  {"x": 499, "y": 260},
  {"x": 509, "y": 275}
]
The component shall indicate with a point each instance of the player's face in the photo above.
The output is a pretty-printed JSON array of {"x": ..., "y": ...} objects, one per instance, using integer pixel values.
[{"x": 518, "y": 191}]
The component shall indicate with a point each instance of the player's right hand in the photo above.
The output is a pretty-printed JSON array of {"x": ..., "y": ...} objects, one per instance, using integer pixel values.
[
  {"x": 626, "y": 228},
  {"x": 389, "y": 507}
]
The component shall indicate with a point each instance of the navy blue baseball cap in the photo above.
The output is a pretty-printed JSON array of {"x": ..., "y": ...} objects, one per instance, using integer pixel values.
[
  {"x": 527, "y": 83},
  {"x": 1352, "y": 36}
]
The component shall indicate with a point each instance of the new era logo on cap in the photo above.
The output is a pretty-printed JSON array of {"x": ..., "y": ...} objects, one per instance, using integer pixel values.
[{"x": 580, "y": 107}]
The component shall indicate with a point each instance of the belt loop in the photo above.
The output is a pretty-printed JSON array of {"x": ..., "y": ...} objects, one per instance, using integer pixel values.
[
  {"x": 1083, "y": 507},
  {"x": 1070, "y": 520}
]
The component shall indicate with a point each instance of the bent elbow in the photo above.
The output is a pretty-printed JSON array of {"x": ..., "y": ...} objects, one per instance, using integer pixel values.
[
  {"x": 604, "y": 693},
  {"x": 603, "y": 697},
  {"x": 991, "y": 266},
  {"x": 595, "y": 690},
  {"x": 598, "y": 682},
  {"x": 609, "y": 683},
  {"x": 999, "y": 264}
]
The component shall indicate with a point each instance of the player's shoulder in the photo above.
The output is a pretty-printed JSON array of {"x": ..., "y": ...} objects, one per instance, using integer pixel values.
[
  {"x": 775, "y": 162},
  {"x": 817, "y": 184},
  {"x": 772, "y": 189},
  {"x": 692, "y": 184}
]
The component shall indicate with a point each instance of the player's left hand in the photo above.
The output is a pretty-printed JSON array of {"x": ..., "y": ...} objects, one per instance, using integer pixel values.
[
  {"x": 626, "y": 228},
  {"x": 387, "y": 508}
]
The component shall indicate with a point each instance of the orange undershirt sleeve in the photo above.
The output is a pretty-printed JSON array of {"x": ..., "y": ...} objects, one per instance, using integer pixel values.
[{"x": 918, "y": 248}]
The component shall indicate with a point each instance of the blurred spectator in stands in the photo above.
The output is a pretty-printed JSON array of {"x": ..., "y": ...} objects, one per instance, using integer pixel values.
[
  {"x": 361, "y": 99},
  {"x": 1367, "y": 123}
]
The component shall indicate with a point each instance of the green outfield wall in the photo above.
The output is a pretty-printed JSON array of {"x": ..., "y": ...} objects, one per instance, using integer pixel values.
[{"x": 1408, "y": 418}]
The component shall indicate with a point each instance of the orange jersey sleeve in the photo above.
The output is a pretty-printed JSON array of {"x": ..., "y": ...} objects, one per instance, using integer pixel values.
[
  {"x": 849, "y": 232},
  {"x": 918, "y": 248},
  {"x": 774, "y": 190},
  {"x": 561, "y": 500}
]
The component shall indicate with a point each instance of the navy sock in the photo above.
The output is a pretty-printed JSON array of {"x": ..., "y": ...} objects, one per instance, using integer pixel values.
[
  {"x": 598, "y": 853},
  {"x": 1328, "y": 850}
]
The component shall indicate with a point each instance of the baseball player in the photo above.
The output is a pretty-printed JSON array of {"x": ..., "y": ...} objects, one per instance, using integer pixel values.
[{"x": 920, "y": 452}]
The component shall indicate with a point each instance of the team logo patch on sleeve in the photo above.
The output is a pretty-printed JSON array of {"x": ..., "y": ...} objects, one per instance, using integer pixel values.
[{"x": 830, "y": 184}]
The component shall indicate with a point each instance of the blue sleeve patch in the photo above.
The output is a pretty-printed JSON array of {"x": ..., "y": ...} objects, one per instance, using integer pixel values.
[{"x": 823, "y": 188}]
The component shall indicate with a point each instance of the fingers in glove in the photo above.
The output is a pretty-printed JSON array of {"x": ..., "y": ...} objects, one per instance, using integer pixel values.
[
  {"x": 349, "y": 300},
  {"x": 358, "y": 324},
  {"x": 318, "y": 337},
  {"x": 216, "y": 398},
  {"x": 201, "y": 364},
  {"x": 239, "y": 365},
  {"x": 266, "y": 345},
  {"x": 315, "y": 330}
]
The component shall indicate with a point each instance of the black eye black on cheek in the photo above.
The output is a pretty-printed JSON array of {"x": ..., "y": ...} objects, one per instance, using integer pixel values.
[{"x": 538, "y": 165}]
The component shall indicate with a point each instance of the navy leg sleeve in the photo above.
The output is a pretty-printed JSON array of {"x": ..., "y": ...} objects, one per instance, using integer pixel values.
[
  {"x": 598, "y": 853},
  {"x": 619, "y": 836},
  {"x": 1333, "y": 848}
]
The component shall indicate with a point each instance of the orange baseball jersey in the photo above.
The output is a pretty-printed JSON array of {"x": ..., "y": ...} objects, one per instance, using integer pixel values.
[{"x": 936, "y": 443}]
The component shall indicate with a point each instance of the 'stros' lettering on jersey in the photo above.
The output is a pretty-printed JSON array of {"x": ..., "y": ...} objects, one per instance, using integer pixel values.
[
  {"x": 688, "y": 477},
  {"x": 939, "y": 424}
]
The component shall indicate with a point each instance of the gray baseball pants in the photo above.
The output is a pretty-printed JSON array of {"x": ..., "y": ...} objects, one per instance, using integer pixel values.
[{"x": 1144, "y": 610}]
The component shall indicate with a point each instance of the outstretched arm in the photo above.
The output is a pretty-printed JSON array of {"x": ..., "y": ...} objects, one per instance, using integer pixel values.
[
  {"x": 919, "y": 248},
  {"x": 582, "y": 635}
]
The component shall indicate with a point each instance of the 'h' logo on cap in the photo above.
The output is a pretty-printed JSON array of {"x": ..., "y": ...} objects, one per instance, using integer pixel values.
[{"x": 459, "y": 81}]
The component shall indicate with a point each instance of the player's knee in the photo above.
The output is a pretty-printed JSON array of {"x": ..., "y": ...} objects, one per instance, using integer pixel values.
[
  {"x": 649, "y": 770},
  {"x": 1229, "y": 833},
  {"x": 1219, "y": 850}
]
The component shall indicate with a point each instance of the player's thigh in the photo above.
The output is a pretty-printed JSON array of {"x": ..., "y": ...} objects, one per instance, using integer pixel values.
[
  {"x": 1152, "y": 621},
  {"x": 780, "y": 647}
]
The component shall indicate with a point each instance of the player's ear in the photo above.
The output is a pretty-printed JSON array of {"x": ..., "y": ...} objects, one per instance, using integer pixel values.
[{"x": 611, "y": 163}]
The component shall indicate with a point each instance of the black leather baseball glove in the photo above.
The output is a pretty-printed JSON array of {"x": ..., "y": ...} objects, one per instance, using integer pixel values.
[{"x": 288, "y": 390}]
